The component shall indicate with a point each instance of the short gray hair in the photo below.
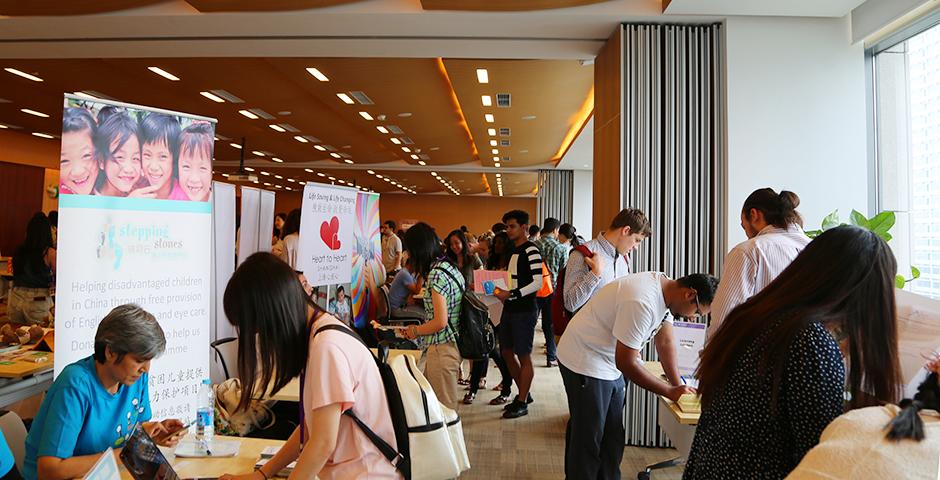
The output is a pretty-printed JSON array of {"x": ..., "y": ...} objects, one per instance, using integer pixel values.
[{"x": 129, "y": 329}]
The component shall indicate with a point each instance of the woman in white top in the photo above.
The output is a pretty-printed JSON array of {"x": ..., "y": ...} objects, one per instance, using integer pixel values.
[
  {"x": 290, "y": 237},
  {"x": 775, "y": 237}
]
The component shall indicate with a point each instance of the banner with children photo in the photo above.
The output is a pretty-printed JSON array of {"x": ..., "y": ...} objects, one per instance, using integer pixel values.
[{"x": 135, "y": 227}]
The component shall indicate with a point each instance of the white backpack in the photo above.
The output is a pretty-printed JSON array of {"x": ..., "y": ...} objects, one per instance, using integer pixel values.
[{"x": 428, "y": 434}]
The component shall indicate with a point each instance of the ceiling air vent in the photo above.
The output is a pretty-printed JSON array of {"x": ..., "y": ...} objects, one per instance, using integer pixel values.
[
  {"x": 424, "y": 157},
  {"x": 503, "y": 100},
  {"x": 504, "y": 142},
  {"x": 505, "y": 132},
  {"x": 261, "y": 113},
  {"x": 330, "y": 148},
  {"x": 407, "y": 141},
  {"x": 361, "y": 97},
  {"x": 288, "y": 127},
  {"x": 312, "y": 138},
  {"x": 395, "y": 129},
  {"x": 224, "y": 94},
  {"x": 505, "y": 159}
]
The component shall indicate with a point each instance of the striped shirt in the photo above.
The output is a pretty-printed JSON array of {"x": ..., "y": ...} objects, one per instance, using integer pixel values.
[
  {"x": 581, "y": 283},
  {"x": 525, "y": 271},
  {"x": 752, "y": 265}
]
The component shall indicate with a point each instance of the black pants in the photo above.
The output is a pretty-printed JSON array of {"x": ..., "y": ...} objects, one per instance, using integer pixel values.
[
  {"x": 594, "y": 438},
  {"x": 545, "y": 307},
  {"x": 480, "y": 367}
]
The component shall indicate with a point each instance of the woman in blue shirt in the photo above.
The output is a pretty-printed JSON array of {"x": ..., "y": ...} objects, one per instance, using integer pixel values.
[{"x": 98, "y": 401}]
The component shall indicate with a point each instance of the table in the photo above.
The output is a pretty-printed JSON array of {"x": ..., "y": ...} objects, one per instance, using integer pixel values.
[
  {"x": 679, "y": 426},
  {"x": 244, "y": 462},
  {"x": 24, "y": 378},
  {"x": 291, "y": 391}
]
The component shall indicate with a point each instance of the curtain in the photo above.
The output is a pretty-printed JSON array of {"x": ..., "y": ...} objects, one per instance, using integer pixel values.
[
  {"x": 554, "y": 197},
  {"x": 674, "y": 160}
]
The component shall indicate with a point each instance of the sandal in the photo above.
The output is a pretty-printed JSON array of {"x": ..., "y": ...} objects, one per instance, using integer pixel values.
[
  {"x": 498, "y": 387},
  {"x": 499, "y": 400},
  {"x": 482, "y": 384},
  {"x": 468, "y": 398},
  {"x": 463, "y": 381}
]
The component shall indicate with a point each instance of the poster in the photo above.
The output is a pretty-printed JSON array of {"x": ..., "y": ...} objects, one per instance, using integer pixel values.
[
  {"x": 368, "y": 273},
  {"x": 327, "y": 222},
  {"x": 135, "y": 227}
]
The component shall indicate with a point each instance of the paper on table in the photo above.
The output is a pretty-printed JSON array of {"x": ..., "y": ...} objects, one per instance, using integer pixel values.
[
  {"x": 105, "y": 468},
  {"x": 500, "y": 279},
  {"x": 195, "y": 449}
]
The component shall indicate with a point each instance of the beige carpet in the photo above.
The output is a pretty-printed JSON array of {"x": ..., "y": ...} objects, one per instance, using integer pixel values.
[{"x": 533, "y": 447}]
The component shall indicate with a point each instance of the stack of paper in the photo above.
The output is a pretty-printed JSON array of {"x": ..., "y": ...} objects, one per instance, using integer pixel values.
[
  {"x": 690, "y": 403},
  {"x": 266, "y": 455}
]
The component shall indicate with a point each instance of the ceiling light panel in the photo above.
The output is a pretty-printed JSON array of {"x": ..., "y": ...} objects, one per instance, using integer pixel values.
[
  {"x": 213, "y": 97},
  {"x": 487, "y": 101},
  {"x": 248, "y": 114},
  {"x": 301, "y": 139},
  {"x": 345, "y": 98},
  {"x": 317, "y": 74},
  {"x": 163, "y": 73},
  {"x": 366, "y": 116},
  {"x": 381, "y": 129},
  {"x": 228, "y": 96},
  {"x": 261, "y": 113},
  {"x": 23, "y": 74},
  {"x": 489, "y": 118},
  {"x": 277, "y": 128},
  {"x": 483, "y": 76},
  {"x": 34, "y": 113}
]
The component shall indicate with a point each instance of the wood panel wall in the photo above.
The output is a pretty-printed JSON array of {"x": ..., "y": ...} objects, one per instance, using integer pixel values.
[
  {"x": 608, "y": 129},
  {"x": 21, "y": 192}
]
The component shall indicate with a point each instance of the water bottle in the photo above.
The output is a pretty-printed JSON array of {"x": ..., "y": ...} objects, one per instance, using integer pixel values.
[{"x": 205, "y": 414}]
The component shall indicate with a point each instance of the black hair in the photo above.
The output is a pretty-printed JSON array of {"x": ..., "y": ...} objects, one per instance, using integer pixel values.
[
  {"x": 908, "y": 424},
  {"x": 550, "y": 224},
  {"x": 464, "y": 229},
  {"x": 498, "y": 227},
  {"x": 281, "y": 215},
  {"x": 391, "y": 225},
  {"x": 534, "y": 229},
  {"x": 53, "y": 218},
  {"x": 520, "y": 216},
  {"x": 197, "y": 138},
  {"x": 107, "y": 112},
  {"x": 423, "y": 248},
  {"x": 30, "y": 255},
  {"x": 779, "y": 209},
  {"x": 464, "y": 251},
  {"x": 499, "y": 257},
  {"x": 340, "y": 288},
  {"x": 160, "y": 127},
  {"x": 569, "y": 231},
  {"x": 76, "y": 119},
  {"x": 292, "y": 224},
  {"x": 118, "y": 127},
  {"x": 703, "y": 284},
  {"x": 268, "y": 307}
]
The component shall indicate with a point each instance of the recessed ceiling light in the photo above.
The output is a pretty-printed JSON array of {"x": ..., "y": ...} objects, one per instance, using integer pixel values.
[
  {"x": 213, "y": 97},
  {"x": 331, "y": 178},
  {"x": 23, "y": 74},
  {"x": 414, "y": 157},
  {"x": 381, "y": 129},
  {"x": 421, "y": 162},
  {"x": 163, "y": 73},
  {"x": 264, "y": 173},
  {"x": 321, "y": 174},
  {"x": 433, "y": 174},
  {"x": 33, "y": 112},
  {"x": 349, "y": 161},
  {"x": 267, "y": 184},
  {"x": 278, "y": 177},
  {"x": 487, "y": 101},
  {"x": 236, "y": 145},
  {"x": 42, "y": 135},
  {"x": 498, "y": 175},
  {"x": 483, "y": 76},
  {"x": 493, "y": 143},
  {"x": 496, "y": 164},
  {"x": 225, "y": 175},
  {"x": 249, "y": 169},
  {"x": 320, "y": 148},
  {"x": 491, "y": 131},
  {"x": 495, "y": 151},
  {"x": 248, "y": 114},
  {"x": 335, "y": 155},
  {"x": 300, "y": 139},
  {"x": 255, "y": 152},
  {"x": 370, "y": 172},
  {"x": 529, "y": 117},
  {"x": 277, "y": 128},
  {"x": 379, "y": 176},
  {"x": 316, "y": 73},
  {"x": 365, "y": 115},
  {"x": 396, "y": 141},
  {"x": 308, "y": 170},
  {"x": 3, "y": 126},
  {"x": 406, "y": 149},
  {"x": 495, "y": 159},
  {"x": 278, "y": 160},
  {"x": 489, "y": 118},
  {"x": 345, "y": 98}
]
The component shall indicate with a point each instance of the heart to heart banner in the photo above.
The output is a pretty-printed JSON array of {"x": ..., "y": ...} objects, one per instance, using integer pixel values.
[{"x": 327, "y": 222}]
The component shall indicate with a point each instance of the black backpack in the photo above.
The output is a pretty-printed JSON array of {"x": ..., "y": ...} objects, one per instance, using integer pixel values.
[{"x": 475, "y": 336}]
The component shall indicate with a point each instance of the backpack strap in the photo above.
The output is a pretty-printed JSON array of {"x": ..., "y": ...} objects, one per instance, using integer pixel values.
[
  {"x": 584, "y": 250},
  {"x": 393, "y": 456}
]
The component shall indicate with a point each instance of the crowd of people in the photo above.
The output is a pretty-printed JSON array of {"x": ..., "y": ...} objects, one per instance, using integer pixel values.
[{"x": 801, "y": 332}]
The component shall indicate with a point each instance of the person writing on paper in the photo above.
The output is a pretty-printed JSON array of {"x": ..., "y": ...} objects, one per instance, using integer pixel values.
[
  {"x": 97, "y": 402},
  {"x": 774, "y": 376},
  {"x": 775, "y": 237},
  {"x": 601, "y": 348},
  {"x": 279, "y": 327}
]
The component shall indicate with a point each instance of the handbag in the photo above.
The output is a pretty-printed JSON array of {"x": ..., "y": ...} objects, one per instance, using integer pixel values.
[{"x": 231, "y": 421}]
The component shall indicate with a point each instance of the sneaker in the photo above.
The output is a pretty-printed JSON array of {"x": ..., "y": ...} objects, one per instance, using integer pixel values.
[
  {"x": 468, "y": 398},
  {"x": 551, "y": 363},
  {"x": 499, "y": 400},
  {"x": 527, "y": 401},
  {"x": 516, "y": 409}
]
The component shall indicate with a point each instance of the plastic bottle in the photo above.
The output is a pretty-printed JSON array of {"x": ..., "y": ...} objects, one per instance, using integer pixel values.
[{"x": 205, "y": 414}]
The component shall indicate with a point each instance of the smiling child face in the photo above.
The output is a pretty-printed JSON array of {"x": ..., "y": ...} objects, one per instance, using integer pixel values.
[
  {"x": 157, "y": 164},
  {"x": 77, "y": 166},
  {"x": 195, "y": 172},
  {"x": 123, "y": 168}
]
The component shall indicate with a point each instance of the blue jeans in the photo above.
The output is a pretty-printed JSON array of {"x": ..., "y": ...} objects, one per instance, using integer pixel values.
[
  {"x": 545, "y": 306},
  {"x": 594, "y": 438}
]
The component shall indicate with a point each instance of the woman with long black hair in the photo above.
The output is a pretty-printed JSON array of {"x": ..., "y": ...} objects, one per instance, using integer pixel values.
[
  {"x": 34, "y": 264},
  {"x": 282, "y": 336},
  {"x": 457, "y": 249},
  {"x": 773, "y": 376}
]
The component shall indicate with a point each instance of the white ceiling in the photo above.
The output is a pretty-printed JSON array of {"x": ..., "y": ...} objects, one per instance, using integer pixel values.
[{"x": 785, "y": 8}]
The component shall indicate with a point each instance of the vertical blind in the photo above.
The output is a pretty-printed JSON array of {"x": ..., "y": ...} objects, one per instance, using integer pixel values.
[
  {"x": 554, "y": 197},
  {"x": 673, "y": 154}
]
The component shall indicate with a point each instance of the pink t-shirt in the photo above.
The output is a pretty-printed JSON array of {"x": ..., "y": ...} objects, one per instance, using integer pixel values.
[
  {"x": 177, "y": 193},
  {"x": 341, "y": 370}
]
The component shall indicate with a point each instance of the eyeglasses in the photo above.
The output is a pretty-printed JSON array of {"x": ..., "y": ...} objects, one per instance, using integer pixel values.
[{"x": 698, "y": 308}]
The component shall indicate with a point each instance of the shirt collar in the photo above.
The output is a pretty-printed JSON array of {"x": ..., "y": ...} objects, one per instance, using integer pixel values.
[
  {"x": 791, "y": 228},
  {"x": 606, "y": 246}
]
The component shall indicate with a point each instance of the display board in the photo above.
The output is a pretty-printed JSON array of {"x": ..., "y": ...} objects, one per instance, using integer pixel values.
[
  {"x": 135, "y": 226},
  {"x": 368, "y": 273},
  {"x": 265, "y": 220},
  {"x": 327, "y": 223},
  {"x": 248, "y": 227},
  {"x": 223, "y": 256}
]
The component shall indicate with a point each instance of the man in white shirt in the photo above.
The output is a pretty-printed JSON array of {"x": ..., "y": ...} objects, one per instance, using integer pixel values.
[
  {"x": 391, "y": 248},
  {"x": 602, "y": 345},
  {"x": 775, "y": 237}
]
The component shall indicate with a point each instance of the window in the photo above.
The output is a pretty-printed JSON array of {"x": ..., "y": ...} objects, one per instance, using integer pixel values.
[{"x": 906, "y": 80}]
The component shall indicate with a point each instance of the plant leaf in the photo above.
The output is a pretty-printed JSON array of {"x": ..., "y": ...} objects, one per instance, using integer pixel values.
[
  {"x": 882, "y": 223},
  {"x": 831, "y": 220},
  {"x": 813, "y": 233},
  {"x": 915, "y": 272},
  {"x": 884, "y": 236},
  {"x": 899, "y": 281},
  {"x": 858, "y": 219}
]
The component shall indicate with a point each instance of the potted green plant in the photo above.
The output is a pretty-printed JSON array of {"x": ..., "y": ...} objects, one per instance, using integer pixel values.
[{"x": 880, "y": 224}]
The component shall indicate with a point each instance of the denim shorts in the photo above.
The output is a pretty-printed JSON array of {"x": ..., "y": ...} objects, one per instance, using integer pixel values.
[{"x": 516, "y": 331}]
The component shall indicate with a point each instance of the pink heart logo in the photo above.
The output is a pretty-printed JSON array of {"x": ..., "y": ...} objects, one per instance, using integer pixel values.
[{"x": 329, "y": 233}]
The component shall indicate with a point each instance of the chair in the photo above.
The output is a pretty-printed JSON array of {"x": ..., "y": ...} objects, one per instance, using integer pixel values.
[
  {"x": 389, "y": 339},
  {"x": 226, "y": 357},
  {"x": 389, "y": 318},
  {"x": 14, "y": 432}
]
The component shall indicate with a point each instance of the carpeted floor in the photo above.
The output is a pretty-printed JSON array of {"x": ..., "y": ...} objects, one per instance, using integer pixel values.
[{"x": 533, "y": 447}]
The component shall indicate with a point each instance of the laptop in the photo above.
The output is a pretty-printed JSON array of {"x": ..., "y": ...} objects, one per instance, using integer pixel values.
[{"x": 144, "y": 460}]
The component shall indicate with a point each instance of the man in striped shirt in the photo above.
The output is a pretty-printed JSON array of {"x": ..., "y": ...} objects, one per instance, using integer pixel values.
[
  {"x": 520, "y": 312},
  {"x": 775, "y": 237}
]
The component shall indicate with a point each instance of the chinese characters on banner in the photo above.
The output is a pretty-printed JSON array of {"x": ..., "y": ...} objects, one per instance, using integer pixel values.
[{"x": 326, "y": 234}]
